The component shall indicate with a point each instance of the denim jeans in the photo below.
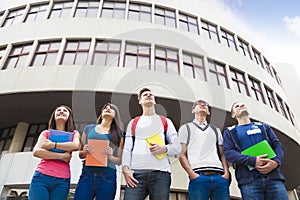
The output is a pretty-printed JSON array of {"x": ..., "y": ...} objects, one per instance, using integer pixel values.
[
  {"x": 213, "y": 187},
  {"x": 44, "y": 187},
  {"x": 264, "y": 188},
  {"x": 156, "y": 184},
  {"x": 101, "y": 185}
]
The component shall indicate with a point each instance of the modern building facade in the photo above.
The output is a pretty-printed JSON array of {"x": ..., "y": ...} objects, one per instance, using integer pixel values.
[{"x": 84, "y": 53}]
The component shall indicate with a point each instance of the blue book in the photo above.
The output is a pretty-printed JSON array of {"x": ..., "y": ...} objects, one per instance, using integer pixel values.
[{"x": 59, "y": 137}]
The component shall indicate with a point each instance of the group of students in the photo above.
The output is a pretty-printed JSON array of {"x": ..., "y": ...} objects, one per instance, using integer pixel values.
[{"x": 202, "y": 151}]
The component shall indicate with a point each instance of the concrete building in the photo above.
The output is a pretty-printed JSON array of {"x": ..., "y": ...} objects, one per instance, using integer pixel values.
[{"x": 85, "y": 53}]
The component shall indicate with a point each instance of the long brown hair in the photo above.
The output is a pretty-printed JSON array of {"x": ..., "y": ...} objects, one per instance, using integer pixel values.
[
  {"x": 115, "y": 126},
  {"x": 70, "y": 125}
]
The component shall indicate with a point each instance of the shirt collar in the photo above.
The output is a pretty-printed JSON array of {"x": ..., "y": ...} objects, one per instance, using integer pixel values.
[{"x": 199, "y": 123}]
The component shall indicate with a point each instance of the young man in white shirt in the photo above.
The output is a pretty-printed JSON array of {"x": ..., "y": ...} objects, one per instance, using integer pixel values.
[
  {"x": 202, "y": 157},
  {"x": 144, "y": 173}
]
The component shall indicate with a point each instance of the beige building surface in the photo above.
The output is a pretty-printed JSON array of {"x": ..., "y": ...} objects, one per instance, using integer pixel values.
[{"x": 86, "y": 53}]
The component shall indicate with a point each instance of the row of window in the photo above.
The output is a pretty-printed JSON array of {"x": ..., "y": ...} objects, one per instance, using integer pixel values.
[
  {"x": 135, "y": 11},
  {"x": 138, "y": 55}
]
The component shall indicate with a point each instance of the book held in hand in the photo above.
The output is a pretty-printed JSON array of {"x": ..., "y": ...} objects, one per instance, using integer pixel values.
[
  {"x": 59, "y": 137},
  {"x": 97, "y": 157},
  {"x": 259, "y": 149},
  {"x": 156, "y": 139}
]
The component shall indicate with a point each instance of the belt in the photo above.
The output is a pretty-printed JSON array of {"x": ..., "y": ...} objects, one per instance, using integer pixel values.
[{"x": 209, "y": 173}]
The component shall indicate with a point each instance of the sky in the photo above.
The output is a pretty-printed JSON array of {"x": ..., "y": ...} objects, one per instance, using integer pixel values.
[{"x": 272, "y": 26}]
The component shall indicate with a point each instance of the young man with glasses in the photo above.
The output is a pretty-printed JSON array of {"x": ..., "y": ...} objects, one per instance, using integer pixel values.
[
  {"x": 202, "y": 157},
  {"x": 258, "y": 177}
]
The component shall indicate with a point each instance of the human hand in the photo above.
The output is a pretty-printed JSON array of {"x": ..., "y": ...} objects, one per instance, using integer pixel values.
[
  {"x": 260, "y": 160},
  {"x": 48, "y": 144},
  {"x": 158, "y": 149},
  {"x": 267, "y": 167},
  {"x": 193, "y": 175},
  {"x": 66, "y": 156},
  {"x": 128, "y": 175}
]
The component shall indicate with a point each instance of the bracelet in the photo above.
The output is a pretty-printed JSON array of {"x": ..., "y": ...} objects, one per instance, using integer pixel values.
[{"x": 55, "y": 145}]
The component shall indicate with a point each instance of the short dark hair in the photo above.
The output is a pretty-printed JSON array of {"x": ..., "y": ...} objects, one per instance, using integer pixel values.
[
  {"x": 200, "y": 100},
  {"x": 233, "y": 107},
  {"x": 141, "y": 91}
]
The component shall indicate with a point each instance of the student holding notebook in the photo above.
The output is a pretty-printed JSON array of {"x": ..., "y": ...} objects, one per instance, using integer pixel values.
[
  {"x": 258, "y": 177},
  {"x": 51, "y": 179},
  {"x": 102, "y": 148}
]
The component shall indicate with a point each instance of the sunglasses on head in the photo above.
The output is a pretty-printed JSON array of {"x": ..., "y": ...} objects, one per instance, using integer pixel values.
[{"x": 202, "y": 103}]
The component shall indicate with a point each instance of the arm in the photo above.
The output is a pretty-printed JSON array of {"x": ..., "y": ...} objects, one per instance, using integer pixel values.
[
  {"x": 185, "y": 163},
  {"x": 174, "y": 146},
  {"x": 117, "y": 159},
  {"x": 224, "y": 163}
]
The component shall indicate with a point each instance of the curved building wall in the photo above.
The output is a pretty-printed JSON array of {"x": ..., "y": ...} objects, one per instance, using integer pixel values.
[{"x": 85, "y": 53}]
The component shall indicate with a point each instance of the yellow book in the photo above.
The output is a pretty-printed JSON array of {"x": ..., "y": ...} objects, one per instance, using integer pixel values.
[{"x": 156, "y": 139}]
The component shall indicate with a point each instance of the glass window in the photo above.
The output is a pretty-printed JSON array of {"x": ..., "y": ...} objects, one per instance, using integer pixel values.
[
  {"x": 193, "y": 66},
  {"x": 290, "y": 114},
  {"x": 271, "y": 98},
  {"x": 1, "y": 16},
  {"x": 36, "y": 12},
  {"x": 276, "y": 76},
  {"x": 210, "y": 31},
  {"x": 281, "y": 106},
  {"x": 139, "y": 12},
  {"x": 217, "y": 73},
  {"x": 244, "y": 48},
  {"x": 34, "y": 130},
  {"x": 87, "y": 8},
  {"x": 61, "y": 10},
  {"x": 2, "y": 52},
  {"x": 255, "y": 90},
  {"x": 228, "y": 39},
  {"x": 188, "y": 23},
  {"x": 46, "y": 53},
  {"x": 268, "y": 67},
  {"x": 257, "y": 57},
  {"x": 165, "y": 17},
  {"x": 137, "y": 56},
  {"x": 76, "y": 52},
  {"x": 166, "y": 60},
  {"x": 14, "y": 17},
  {"x": 18, "y": 56},
  {"x": 239, "y": 81},
  {"x": 6, "y": 136},
  {"x": 113, "y": 9},
  {"x": 107, "y": 53}
]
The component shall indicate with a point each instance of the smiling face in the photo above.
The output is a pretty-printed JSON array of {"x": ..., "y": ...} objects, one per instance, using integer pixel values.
[{"x": 61, "y": 113}]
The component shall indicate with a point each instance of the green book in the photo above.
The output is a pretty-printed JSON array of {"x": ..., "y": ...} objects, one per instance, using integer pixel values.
[{"x": 259, "y": 149}]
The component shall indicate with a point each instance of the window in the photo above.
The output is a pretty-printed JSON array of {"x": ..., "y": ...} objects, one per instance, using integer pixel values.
[
  {"x": 257, "y": 58},
  {"x": 139, "y": 12},
  {"x": 290, "y": 114},
  {"x": 239, "y": 82},
  {"x": 76, "y": 52},
  {"x": 137, "y": 56},
  {"x": 36, "y": 12},
  {"x": 46, "y": 53},
  {"x": 14, "y": 17},
  {"x": 107, "y": 53},
  {"x": 228, "y": 39},
  {"x": 165, "y": 17},
  {"x": 271, "y": 98},
  {"x": 268, "y": 67},
  {"x": 276, "y": 76},
  {"x": 1, "y": 17},
  {"x": 87, "y": 8},
  {"x": 255, "y": 90},
  {"x": 113, "y": 9},
  {"x": 32, "y": 136},
  {"x": 210, "y": 31},
  {"x": 61, "y": 10},
  {"x": 166, "y": 60},
  {"x": 193, "y": 66},
  {"x": 244, "y": 48},
  {"x": 6, "y": 136},
  {"x": 2, "y": 52},
  {"x": 217, "y": 73},
  {"x": 281, "y": 106},
  {"x": 18, "y": 56},
  {"x": 188, "y": 23}
]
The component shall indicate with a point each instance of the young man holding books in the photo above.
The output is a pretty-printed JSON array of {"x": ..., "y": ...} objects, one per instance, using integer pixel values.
[
  {"x": 258, "y": 177},
  {"x": 146, "y": 170},
  {"x": 202, "y": 157}
]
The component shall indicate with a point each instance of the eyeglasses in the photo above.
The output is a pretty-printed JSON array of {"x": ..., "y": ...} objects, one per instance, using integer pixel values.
[{"x": 202, "y": 103}]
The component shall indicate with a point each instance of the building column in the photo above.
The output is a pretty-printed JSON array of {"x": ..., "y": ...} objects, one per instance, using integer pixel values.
[{"x": 19, "y": 137}]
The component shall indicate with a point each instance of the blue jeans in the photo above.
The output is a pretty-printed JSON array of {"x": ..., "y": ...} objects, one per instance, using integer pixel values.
[
  {"x": 264, "y": 188},
  {"x": 156, "y": 184},
  {"x": 44, "y": 187},
  {"x": 213, "y": 187},
  {"x": 102, "y": 185}
]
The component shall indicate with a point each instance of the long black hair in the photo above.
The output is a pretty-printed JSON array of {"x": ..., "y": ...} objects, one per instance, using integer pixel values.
[{"x": 70, "y": 125}]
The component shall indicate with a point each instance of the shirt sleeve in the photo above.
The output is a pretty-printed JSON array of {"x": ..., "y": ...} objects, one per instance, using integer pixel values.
[
  {"x": 127, "y": 150},
  {"x": 174, "y": 146},
  {"x": 220, "y": 137},
  {"x": 183, "y": 134}
]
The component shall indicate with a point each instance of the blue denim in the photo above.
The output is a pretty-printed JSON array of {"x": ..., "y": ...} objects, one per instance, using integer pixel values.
[
  {"x": 213, "y": 187},
  {"x": 264, "y": 188},
  {"x": 44, "y": 187},
  {"x": 156, "y": 184},
  {"x": 102, "y": 185}
]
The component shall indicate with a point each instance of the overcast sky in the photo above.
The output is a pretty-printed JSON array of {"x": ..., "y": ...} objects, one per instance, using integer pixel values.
[{"x": 272, "y": 26}]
